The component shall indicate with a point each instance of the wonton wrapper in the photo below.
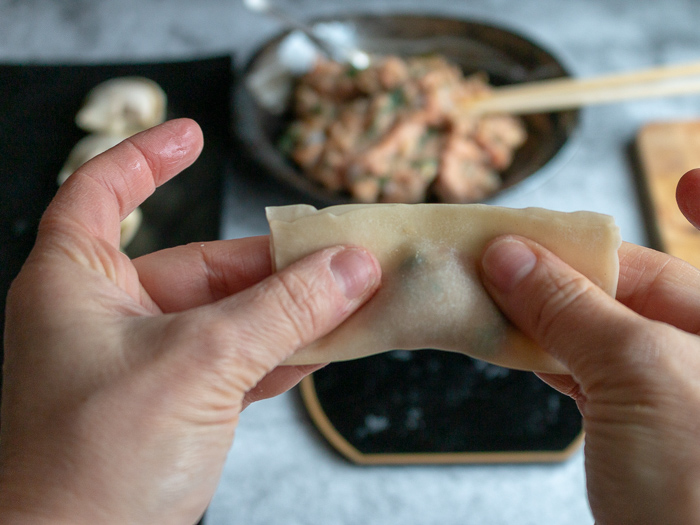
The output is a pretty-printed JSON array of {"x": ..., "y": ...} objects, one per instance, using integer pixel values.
[{"x": 431, "y": 294}]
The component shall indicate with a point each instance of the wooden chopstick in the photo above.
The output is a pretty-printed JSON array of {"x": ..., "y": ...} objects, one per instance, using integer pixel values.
[{"x": 568, "y": 93}]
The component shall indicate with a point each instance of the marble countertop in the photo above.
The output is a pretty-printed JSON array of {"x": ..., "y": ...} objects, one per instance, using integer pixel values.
[{"x": 280, "y": 470}]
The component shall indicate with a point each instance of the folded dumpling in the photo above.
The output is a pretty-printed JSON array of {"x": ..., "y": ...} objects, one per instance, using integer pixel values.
[{"x": 431, "y": 294}]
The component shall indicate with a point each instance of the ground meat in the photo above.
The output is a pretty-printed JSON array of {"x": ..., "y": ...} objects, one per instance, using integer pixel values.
[
  {"x": 465, "y": 174},
  {"x": 394, "y": 132}
]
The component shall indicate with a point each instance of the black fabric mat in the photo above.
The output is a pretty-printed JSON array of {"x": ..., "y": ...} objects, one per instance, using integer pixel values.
[
  {"x": 38, "y": 104},
  {"x": 428, "y": 401}
]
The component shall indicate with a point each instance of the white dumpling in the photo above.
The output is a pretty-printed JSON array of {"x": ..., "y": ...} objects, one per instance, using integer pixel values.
[
  {"x": 129, "y": 227},
  {"x": 123, "y": 105},
  {"x": 431, "y": 294}
]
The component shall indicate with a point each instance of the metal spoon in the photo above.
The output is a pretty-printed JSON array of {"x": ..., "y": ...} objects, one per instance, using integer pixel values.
[{"x": 331, "y": 49}]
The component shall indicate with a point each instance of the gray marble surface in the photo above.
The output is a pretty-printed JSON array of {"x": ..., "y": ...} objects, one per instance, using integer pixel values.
[{"x": 279, "y": 470}]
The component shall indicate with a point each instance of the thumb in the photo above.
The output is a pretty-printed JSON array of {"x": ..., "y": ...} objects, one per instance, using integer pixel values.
[
  {"x": 561, "y": 310},
  {"x": 252, "y": 332}
]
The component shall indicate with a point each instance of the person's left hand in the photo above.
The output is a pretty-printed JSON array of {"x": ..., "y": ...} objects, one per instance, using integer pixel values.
[{"x": 124, "y": 379}]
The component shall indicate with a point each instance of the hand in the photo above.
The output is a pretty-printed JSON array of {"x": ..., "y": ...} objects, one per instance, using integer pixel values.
[
  {"x": 634, "y": 363},
  {"x": 124, "y": 379}
]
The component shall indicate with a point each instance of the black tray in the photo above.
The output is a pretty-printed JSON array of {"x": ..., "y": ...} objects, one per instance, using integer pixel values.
[
  {"x": 437, "y": 407},
  {"x": 38, "y": 104}
]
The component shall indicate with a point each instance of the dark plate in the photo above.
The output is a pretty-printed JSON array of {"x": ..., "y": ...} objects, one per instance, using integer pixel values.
[
  {"x": 507, "y": 57},
  {"x": 430, "y": 406}
]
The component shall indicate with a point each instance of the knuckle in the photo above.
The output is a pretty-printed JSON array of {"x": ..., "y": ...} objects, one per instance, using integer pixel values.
[
  {"x": 223, "y": 352},
  {"x": 298, "y": 307},
  {"x": 141, "y": 155},
  {"x": 566, "y": 299}
]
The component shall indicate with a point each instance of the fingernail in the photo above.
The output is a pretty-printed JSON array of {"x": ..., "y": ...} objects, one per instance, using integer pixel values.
[
  {"x": 507, "y": 262},
  {"x": 355, "y": 271}
]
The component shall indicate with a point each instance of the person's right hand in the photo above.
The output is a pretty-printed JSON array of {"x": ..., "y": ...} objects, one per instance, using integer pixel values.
[{"x": 634, "y": 362}]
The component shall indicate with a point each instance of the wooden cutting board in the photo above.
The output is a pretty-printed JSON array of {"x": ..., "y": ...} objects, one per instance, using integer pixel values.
[{"x": 666, "y": 151}]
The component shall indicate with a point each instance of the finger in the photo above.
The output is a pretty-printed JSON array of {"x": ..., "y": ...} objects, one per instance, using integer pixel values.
[
  {"x": 184, "y": 277},
  {"x": 688, "y": 196},
  {"x": 660, "y": 287},
  {"x": 107, "y": 188},
  {"x": 556, "y": 306},
  {"x": 278, "y": 381},
  {"x": 245, "y": 336}
]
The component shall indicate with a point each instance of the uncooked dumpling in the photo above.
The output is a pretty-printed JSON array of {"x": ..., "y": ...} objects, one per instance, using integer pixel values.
[
  {"x": 123, "y": 106},
  {"x": 431, "y": 294}
]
